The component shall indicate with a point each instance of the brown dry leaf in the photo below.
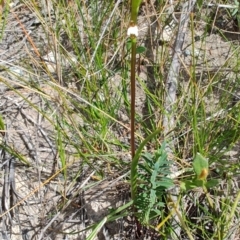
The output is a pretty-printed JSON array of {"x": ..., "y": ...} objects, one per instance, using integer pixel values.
[{"x": 2, "y": 3}]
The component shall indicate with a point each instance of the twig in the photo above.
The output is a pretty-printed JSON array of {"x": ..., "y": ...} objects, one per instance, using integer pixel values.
[
  {"x": 170, "y": 100},
  {"x": 48, "y": 225},
  {"x": 222, "y": 5}
]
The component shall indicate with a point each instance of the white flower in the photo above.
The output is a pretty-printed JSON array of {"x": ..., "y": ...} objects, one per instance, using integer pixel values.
[{"x": 132, "y": 30}]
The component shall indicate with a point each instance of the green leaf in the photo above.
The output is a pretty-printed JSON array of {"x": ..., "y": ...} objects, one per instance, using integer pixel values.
[
  {"x": 167, "y": 183},
  {"x": 212, "y": 183},
  {"x": 199, "y": 3},
  {"x": 135, "y": 8},
  {"x": 129, "y": 45},
  {"x": 183, "y": 186},
  {"x": 134, "y": 164},
  {"x": 14, "y": 153},
  {"x": 140, "y": 49},
  {"x": 191, "y": 184},
  {"x": 198, "y": 183},
  {"x": 97, "y": 229},
  {"x": 2, "y": 126},
  {"x": 61, "y": 152},
  {"x": 187, "y": 185},
  {"x": 200, "y": 166}
]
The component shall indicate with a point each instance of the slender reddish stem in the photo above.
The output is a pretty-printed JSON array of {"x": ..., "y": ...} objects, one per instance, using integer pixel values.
[{"x": 133, "y": 94}]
